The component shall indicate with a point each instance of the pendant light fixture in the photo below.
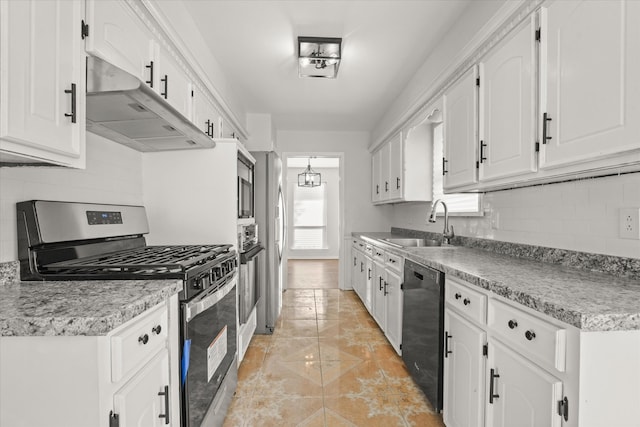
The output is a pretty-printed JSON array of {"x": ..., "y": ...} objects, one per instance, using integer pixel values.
[{"x": 309, "y": 178}]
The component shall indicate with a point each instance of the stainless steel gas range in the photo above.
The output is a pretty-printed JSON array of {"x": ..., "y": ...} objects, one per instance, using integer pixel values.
[{"x": 81, "y": 241}]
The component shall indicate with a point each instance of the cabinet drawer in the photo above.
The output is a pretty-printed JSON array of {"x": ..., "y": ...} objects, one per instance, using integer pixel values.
[
  {"x": 394, "y": 262},
  {"x": 468, "y": 301},
  {"x": 378, "y": 254},
  {"x": 138, "y": 341},
  {"x": 537, "y": 338}
]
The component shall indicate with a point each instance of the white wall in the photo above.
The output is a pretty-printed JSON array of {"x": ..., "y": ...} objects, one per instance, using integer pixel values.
[
  {"x": 113, "y": 175},
  {"x": 472, "y": 20},
  {"x": 360, "y": 214},
  {"x": 578, "y": 215},
  {"x": 331, "y": 179}
]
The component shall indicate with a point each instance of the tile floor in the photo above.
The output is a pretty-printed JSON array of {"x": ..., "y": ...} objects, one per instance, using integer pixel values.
[
  {"x": 312, "y": 273},
  {"x": 326, "y": 364}
]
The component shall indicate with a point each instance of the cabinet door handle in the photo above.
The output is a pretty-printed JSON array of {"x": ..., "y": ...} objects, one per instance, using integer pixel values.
[
  {"x": 156, "y": 329},
  {"x": 545, "y": 119},
  {"x": 444, "y": 166},
  {"x": 150, "y": 67},
  {"x": 211, "y": 130},
  {"x": 380, "y": 280},
  {"x": 530, "y": 335},
  {"x": 447, "y": 352},
  {"x": 143, "y": 339},
  {"x": 354, "y": 261},
  {"x": 361, "y": 267},
  {"x": 72, "y": 91},
  {"x": 513, "y": 324},
  {"x": 397, "y": 183},
  {"x": 385, "y": 288},
  {"x": 492, "y": 395},
  {"x": 369, "y": 274},
  {"x": 386, "y": 186},
  {"x": 165, "y": 393},
  {"x": 377, "y": 189},
  {"x": 482, "y": 157},
  {"x": 165, "y": 80}
]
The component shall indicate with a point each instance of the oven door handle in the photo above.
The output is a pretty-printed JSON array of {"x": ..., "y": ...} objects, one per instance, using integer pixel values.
[
  {"x": 203, "y": 302},
  {"x": 249, "y": 255}
]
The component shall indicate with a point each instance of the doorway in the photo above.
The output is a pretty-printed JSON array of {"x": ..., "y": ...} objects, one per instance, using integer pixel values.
[{"x": 314, "y": 219}]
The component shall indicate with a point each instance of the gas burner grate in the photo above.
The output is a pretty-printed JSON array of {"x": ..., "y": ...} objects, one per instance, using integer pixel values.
[{"x": 146, "y": 260}]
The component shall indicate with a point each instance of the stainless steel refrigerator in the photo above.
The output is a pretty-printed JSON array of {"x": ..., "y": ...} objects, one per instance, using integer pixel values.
[{"x": 270, "y": 215}]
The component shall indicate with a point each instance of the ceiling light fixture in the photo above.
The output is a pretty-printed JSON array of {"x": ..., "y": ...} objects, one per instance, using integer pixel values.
[
  {"x": 319, "y": 56},
  {"x": 309, "y": 178}
]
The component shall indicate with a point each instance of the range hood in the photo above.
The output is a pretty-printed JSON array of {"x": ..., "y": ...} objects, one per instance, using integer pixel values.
[{"x": 124, "y": 109}]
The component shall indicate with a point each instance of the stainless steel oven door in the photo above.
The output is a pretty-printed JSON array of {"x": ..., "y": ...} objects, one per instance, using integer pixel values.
[
  {"x": 248, "y": 288},
  {"x": 209, "y": 353}
]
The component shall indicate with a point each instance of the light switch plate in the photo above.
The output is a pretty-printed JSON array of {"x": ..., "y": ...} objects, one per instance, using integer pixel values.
[{"x": 629, "y": 223}]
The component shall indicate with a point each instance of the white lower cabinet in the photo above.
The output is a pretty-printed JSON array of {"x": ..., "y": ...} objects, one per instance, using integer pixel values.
[
  {"x": 142, "y": 402},
  {"x": 393, "y": 309},
  {"x": 464, "y": 368},
  {"x": 378, "y": 309},
  {"x": 129, "y": 377},
  {"x": 519, "y": 392}
]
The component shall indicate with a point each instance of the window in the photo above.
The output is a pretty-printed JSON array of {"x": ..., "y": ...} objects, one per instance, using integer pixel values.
[
  {"x": 459, "y": 204},
  {"x": 309, "y": 217}
]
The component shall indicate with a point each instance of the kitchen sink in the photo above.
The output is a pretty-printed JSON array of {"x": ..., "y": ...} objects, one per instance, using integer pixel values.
[{"x": 412, "y": 242}]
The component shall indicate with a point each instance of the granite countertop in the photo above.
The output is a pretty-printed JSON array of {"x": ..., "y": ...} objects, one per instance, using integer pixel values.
[
  {"x": 590, "y": 301},
  {"x": 90, "y": 308}
]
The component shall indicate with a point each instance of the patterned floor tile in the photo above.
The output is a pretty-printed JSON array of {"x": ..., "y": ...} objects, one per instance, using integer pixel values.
[
  {"x": 295, "y": 379},
  {"x": 365, "y": 410},
  {"x": 294, "y": 350},
  {"x": 296, "y": 328}
]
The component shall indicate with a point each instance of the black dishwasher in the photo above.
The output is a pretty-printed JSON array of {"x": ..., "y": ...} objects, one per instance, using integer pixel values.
[{"x": 422, "y": 328}]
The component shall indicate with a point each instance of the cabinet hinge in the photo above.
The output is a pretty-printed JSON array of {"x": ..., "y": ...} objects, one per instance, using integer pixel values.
[
  {"x": 537, "y": 147},
  {"x": 538, "y": 34},
  {"x": 84, "y": 29},
  {"x": 563, "y": 408},
  {"x": 478, "y": 81},
  {"x": 485, "y": 350},
  {"x": 114, "y": 419}
]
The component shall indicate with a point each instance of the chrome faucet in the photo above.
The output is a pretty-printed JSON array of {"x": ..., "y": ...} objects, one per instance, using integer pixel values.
[{"x": 446, "y": 234}]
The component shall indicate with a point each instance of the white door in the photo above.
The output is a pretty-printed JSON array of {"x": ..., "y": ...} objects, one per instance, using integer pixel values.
[
  {"x": 523, "y": 394},
  {"x": 42, "y": 97},
  {"x": 119, "y": 37},
  {"x": 376, "y": 178},
  {"x": 378, "y": 299},
  {"x": 141, "y": 402},
  {"x": 396, "y": 167},
  {"x": 507, "y": 106},
  {"x": 590, "y": 90},
  {"x": 172, "y": 82},
  {"x": 464, "y": 372},
  {"x": 393, "y": 310},
  {"x": 368, "y": 285},
  {"x": 460, "y": 131}
]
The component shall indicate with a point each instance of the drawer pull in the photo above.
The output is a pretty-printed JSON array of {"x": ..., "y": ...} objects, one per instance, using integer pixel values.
[
  {"x": 492, "y": 395},
  {"x": 143, "y": 339},
  {"x": 385, "y": 288},
  {"x": 530, "y": 335},
  {"x": 157, "y": 329},
  {"x": 380, "y": 280},
  {"x": 72, "y": 92},
  {"x": 458, "y": 296},
  {"x": 466, "y": 301},
  {"x": 513, "y": 324}
]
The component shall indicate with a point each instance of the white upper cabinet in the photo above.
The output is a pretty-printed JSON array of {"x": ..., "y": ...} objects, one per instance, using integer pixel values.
[
  {"x": 120, "y": 38},
  {"x": 42, "y": 93},
  {"x": 171, "y": 81},
  {"x": 508, "y": 106},
  {"x": 396, "y": 167},
  {"x": 376, "y": 176},
  {"x": 204, "y": 114},
  {"x": 590, "y": 90},
  {"x": 460, "y": 131},
  {"x": 385, "y": 153}
]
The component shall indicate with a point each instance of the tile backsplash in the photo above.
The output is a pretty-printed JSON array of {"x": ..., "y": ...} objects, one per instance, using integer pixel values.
[
  {"x": 578, "y": 215},
  {"x": 113, "y": 175}
]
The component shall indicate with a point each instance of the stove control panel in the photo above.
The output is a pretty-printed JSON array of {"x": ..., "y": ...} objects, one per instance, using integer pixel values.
[{"x": 104, "y": 217}]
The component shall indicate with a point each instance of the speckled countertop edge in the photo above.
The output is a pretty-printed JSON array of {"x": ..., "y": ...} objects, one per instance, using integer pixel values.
[
  {"x": 72, "y": 308},
  {"x": 591, "y": 301}
]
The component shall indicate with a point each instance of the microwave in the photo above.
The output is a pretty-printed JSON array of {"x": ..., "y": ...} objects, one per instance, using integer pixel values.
[{"x": 245, "y": 198}]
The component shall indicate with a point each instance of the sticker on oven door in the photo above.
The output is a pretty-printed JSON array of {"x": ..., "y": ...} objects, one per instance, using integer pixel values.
[{"x": 216, "y": 352}]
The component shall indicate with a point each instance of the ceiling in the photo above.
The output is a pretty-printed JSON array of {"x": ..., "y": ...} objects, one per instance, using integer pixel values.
[{"x": 384, "y": 43}]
